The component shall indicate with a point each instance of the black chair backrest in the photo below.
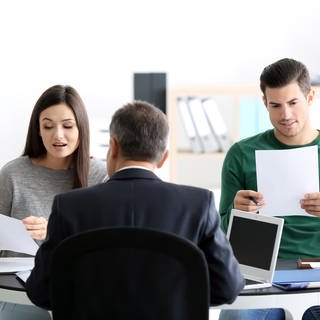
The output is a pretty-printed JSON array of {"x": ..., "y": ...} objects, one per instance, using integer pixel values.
[{"x": 129, "y": 273}]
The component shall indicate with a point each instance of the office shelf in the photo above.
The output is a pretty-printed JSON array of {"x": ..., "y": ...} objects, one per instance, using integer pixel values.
[{"x": 204, "y": 169}]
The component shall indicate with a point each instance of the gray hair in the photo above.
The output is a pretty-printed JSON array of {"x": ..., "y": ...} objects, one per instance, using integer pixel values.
[{"x": 141, "y": 130}]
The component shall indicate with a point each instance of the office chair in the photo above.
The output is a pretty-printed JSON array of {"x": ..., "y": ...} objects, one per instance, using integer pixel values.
[
  {"x": 129, "y": 273},
  {"x": 312, "y": 313}
]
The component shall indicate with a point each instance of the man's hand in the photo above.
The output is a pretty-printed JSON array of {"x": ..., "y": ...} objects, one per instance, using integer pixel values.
[
  {"x": 248, "y": 200},
  {"x": 36, "y": 226},
  {"x": 311, "y": 203}
]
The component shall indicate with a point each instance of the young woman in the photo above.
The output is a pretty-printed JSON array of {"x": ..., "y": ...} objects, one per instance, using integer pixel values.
[{"x": 56, "y": 159}]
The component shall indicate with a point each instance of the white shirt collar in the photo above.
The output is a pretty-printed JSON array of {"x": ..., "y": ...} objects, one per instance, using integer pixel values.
[{"x": 133, "y": 167}]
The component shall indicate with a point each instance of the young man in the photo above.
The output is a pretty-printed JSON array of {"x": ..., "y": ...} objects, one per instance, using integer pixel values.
[
  {"x": 135, "y": 196},
  {"x": 287, "y": 95}
]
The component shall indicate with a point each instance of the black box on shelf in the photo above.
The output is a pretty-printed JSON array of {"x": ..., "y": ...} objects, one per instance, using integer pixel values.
[{"x": 151, "y": 87}]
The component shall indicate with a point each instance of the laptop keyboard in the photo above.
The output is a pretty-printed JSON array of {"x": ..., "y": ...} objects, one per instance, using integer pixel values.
[
  {"x": 252, "y": 284},
  {"x": 248, "y": 281}
]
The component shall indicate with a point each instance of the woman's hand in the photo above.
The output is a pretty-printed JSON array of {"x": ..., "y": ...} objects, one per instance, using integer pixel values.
[{"x": 36, "y": 226}]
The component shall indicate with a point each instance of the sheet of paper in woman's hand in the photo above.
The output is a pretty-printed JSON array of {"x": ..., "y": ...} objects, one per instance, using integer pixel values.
[{"x": 15, "y": 237}]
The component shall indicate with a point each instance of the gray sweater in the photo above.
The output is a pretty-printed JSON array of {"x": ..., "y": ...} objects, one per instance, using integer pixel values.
[{"x": 27, "y": 189}]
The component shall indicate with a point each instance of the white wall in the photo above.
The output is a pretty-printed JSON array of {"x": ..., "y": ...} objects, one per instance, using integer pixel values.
[{"x": 96, "y": 45}]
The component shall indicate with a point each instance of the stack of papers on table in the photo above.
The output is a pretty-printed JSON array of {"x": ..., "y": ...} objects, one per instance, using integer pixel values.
[
  {"x": 12, "y": 265},
  {"x": 308, "y": 263}
]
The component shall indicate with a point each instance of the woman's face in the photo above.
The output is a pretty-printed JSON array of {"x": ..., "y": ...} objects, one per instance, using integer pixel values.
[{"x": 59, "y": 131}]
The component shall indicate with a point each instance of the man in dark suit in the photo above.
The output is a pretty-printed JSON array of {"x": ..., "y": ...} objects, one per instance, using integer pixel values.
[{"x": 135, "y": 196}]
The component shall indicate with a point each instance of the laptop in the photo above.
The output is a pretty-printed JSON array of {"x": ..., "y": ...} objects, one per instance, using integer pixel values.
[{"x": 255, "y": 240}]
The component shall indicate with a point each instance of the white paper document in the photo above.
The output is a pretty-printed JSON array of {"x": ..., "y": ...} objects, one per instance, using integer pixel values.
[
  {"x": 314, "y": 265},
  {"x": 284, "y": 177},
  {"x": 15, "y": 237},
  {"x": 23, "y": 275},
  {"x": 12, "y": 265}
]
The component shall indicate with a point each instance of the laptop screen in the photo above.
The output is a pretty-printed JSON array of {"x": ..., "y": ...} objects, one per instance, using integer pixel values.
[{"x": 253, "y": 241}]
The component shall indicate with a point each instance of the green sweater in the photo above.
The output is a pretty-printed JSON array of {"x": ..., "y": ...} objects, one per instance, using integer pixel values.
[{"x": 301, "y": 234}]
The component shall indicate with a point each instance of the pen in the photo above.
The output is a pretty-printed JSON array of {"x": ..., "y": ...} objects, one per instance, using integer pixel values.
[{"x": 254, "y": 200}]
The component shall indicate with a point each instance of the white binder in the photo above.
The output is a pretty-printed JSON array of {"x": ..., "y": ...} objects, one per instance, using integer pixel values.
[
  {"x": 217, "y": 124},
  {"x": 202, "y": 128},
  {"x": 188, "y": 125}
]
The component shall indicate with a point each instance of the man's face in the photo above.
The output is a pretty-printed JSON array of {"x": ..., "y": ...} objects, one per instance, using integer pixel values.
[{"x": 289, "y": 111}]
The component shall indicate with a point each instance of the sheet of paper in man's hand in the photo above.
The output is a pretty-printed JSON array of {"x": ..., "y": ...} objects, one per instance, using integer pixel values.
[
  {"x": 284, "y": 177},
  {"x": 15, "y": 237}
]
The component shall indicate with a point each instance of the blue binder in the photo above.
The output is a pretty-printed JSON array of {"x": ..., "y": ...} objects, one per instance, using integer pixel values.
[{"x": 297, "y": 279}]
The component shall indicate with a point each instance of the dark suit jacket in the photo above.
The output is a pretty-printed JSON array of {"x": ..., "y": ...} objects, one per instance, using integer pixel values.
[{"x": 137, "y": 197}]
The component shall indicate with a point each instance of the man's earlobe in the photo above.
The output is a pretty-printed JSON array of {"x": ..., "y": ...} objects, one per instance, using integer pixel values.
[
  {"x": 310, "y": 96},
  {"x": 163, "y": 159},
  {"x": 265, "y": 101},
  {"x": 114, "y": 147}
]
